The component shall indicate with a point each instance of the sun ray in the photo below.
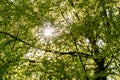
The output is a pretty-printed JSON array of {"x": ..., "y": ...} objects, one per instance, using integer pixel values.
[{"x": 48, "y": 31}]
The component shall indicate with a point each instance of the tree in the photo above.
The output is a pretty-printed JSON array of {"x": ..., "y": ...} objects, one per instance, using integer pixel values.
[{"x": 59, "y": 39}]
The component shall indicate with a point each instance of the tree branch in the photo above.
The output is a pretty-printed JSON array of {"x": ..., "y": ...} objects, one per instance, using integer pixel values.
[
  {"x": 73, "y": 53},
  {"x": 6, "y": 33}
]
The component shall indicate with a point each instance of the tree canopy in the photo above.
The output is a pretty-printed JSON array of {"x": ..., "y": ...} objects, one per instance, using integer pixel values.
[{"x": 59, "y": 40}]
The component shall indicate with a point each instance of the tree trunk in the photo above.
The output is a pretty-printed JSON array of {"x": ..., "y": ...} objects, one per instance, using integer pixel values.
[
  {"x": 100, "y": 61},
  {"x": 99, "y": 69},
  {"x": 101, "y": 78}
]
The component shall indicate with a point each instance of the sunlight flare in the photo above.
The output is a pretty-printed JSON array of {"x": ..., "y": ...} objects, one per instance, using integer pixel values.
[{"x": 48, "y": 31}]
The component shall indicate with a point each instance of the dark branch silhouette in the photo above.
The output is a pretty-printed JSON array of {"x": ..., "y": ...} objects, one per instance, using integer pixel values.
[
  {"x": 72, "y": 53},
  {"x": 15, "y": 37}
]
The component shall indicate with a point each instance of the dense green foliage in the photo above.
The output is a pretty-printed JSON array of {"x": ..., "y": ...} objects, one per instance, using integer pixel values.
[{"x": 84, "y": 43}]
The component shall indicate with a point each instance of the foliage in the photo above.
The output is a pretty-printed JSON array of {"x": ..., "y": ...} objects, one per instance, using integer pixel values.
[{"x": 84, "y": 46}]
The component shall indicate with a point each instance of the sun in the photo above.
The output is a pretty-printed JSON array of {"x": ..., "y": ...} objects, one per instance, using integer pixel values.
[{"x": 48, "y": 31}]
